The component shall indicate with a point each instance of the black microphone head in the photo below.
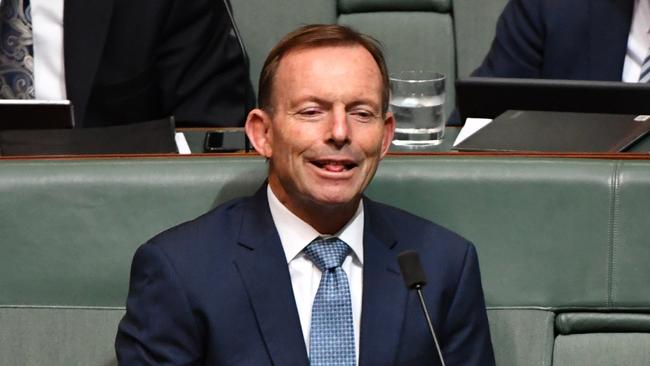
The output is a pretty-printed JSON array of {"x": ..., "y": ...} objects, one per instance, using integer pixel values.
[{"x": 412, "y": 272}]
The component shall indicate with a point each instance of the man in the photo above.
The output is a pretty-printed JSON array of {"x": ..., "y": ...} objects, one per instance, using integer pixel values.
[
  {"x": 578, "y": 39},
  {"x": 305, "y": 271},
  {"x": 123, "y": 61}
]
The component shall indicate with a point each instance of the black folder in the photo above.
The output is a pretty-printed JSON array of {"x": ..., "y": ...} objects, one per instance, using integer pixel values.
[
  {"x": 151, "y": 137},
  {"x": 541, "y": 131},
  {"x": 35, "y": 114}
]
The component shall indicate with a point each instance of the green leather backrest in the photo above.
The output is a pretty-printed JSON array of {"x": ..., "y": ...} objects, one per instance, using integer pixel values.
[
  {"x": 602, "y": 349},
  {"x": 554, "y": 236},
  {"x": 474, "y": 24},
  {"x": 263, "y": 22},
  {"x": 58, "y": 336},
  {"x": 554, "y": 233},
  {"x": 78, "y": 223},
  {"x": 550, "y": 233}
]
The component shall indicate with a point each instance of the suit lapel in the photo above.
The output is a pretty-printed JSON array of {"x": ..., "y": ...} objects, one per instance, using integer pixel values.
[
  {"x": 608, "y": 40},
  {"x": 84, "y": 34},
  {"x": 263, "y": 267},
  {"x": 384, "y": 293}
]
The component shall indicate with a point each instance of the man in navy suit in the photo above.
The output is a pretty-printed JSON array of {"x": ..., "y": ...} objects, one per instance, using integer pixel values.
[
  {"x": 577, "y": 39},
  {"x": 237, "y": 286}
]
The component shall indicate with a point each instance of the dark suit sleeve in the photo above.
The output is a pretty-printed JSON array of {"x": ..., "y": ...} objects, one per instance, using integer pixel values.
[
  {"x": 517, "y": 50},
  {"x": 518, "y": 47},
  {"x": 466, "y": 330},
  {"x": 158, "y": 327},
  {"x": 201, "y": 68}
]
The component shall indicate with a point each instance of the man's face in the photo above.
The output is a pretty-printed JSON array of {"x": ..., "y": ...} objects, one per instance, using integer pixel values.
[{"x": 326, "y": 133}]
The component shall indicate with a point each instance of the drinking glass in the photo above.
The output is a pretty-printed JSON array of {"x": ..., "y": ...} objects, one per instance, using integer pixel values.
[{"x": 417, "y": 99}]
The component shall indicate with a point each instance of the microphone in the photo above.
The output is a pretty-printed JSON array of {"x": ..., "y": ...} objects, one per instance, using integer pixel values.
[{"x": 415, "y": 279}]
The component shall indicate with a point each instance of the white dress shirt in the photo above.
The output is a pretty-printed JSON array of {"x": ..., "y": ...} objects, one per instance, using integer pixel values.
[
  {"x": 295, "y": 235},
  {"x": 638, "y": 41},
  {"x": 47, "y": 29}
]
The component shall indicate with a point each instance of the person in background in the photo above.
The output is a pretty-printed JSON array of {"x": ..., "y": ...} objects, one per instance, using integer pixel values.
[
  {"x": 578, "y": 39},
  {"x": 123, "y": 61},
  {"x": 305, "y": 271}
]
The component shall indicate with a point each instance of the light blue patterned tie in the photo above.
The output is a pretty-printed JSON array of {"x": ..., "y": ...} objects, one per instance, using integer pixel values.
[
  {"x": 16, "y": 50},
  {"x": 331, "y": 339}
]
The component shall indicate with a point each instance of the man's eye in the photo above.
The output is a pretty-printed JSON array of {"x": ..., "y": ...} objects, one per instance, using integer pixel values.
[
  {"x": 310, "y": 113},
  {"x": 362, "y": 115}
]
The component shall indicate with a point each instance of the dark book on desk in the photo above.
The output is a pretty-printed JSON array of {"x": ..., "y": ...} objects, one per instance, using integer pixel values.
[{"x": 540, "y": 131}]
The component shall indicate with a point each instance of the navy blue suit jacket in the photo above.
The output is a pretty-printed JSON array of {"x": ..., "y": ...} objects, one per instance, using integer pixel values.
[
  {"x": 217, "y": 291},
  {"x": 560, "y": 39}
]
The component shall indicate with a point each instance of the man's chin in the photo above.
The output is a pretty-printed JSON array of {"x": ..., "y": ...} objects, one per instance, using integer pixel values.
[{"x": 333, "y": 201}]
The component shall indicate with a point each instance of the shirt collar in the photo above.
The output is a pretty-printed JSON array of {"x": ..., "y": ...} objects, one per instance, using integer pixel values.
[{"x": 295, "y": 234}]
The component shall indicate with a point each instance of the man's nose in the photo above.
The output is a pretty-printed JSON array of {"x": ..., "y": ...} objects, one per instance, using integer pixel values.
[{"x": 340, "y": 127}]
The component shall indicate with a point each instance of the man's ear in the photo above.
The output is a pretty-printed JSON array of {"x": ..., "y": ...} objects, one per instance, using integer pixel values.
[
  {"x": 258, "y": 130},
  {"x": 389, "y": 132}
]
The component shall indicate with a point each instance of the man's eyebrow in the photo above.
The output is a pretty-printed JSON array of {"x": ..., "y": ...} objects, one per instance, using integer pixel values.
[
  {"x": 364, "y": 102},
  {"x": 310, "y": 98},
  {"x": 324, "y": 102}
]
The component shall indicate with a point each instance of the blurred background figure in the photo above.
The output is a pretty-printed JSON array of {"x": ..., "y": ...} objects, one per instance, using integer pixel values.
[
  {"x": 578, "y": 39},
  {"x": 122, "y": 61}
]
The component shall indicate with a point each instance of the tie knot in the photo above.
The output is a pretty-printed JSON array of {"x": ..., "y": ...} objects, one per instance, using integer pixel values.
[{"x": 327, "y": 253}]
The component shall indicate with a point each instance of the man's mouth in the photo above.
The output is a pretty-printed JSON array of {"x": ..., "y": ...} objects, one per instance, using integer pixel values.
[{"x": 335, "y": 166}]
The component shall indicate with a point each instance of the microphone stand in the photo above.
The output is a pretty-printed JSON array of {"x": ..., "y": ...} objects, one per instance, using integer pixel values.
[
  {"x": 415, "y": 279},
  {"x": 418, "y": 288}
]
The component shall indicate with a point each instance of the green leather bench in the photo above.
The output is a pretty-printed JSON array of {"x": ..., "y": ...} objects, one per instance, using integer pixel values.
[
  {"x": 449, "y": 36},
  {"x": 564, "y": 246}
]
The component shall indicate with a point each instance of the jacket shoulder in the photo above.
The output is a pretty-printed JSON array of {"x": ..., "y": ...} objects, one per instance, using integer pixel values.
[
  {"x": 207, "y": 230},
  {"x": 415, "y": 232}
]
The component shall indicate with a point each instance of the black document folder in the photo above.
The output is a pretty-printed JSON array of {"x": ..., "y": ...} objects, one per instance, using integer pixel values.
[
  {"x": 540, "y": 131},
  {"x": 35, "y": 114},
  {"x": 152, "y": 137}
]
